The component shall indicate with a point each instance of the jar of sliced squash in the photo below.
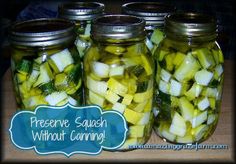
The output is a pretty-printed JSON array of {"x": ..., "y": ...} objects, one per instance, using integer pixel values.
[
  {"x": 45, "y": 64},
  {"x": 189, "y": 79},
  {"x": 119, "y": 73},
  {"x": 154, "y": 14},
  {"x": 81, "y": 13}
]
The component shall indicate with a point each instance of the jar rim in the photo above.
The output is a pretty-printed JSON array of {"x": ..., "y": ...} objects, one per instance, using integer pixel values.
[
  {"x": 190, "y": 25},
  {"x": 117, "y": 26},
  {"x": 42, "y": 32},
  {"x": 80, "y": 10},
  {"x": 153, "y": 13}
]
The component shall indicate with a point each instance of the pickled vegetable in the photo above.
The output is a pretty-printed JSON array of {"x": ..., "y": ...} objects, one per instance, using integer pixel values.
[
  {"x": 154, "y": 39},
  {"x": 120, "y": 77},
  {"x": 188, "y": 91},
  {"x": 83, "y": 41},
  {"x": 56, "y": 80}
]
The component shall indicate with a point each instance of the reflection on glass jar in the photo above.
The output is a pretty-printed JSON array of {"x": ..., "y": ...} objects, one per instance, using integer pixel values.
[
  {"x": 81, "y": 13},
  {"x": 119, "y": 73},
  {"x": 189, "y": 79},
  {"x": 46, "y": 67},
  {"x": 154, "y": 14}
]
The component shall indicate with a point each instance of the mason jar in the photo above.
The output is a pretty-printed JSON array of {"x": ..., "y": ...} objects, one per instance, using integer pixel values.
[
  {"x": 119, "y": 74},
  {"x": 81, "y": 13},
  {"x": 154, "y": 14},
  {"x": 45, "y": 64},
  {"x": 189, "y": 79}
]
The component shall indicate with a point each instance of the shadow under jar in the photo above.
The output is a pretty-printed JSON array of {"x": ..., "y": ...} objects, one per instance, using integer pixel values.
[
  {"x": 189, "y": 79},
  {"x": 154, "y": 14},
  {"x": 81, "y": 13},
  {"x": 119, "y": 73},
  {"x": 45, "y": 64}
]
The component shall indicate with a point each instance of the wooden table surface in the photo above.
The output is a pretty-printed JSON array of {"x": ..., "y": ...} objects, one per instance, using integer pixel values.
[{"x": 222, "y": 135}]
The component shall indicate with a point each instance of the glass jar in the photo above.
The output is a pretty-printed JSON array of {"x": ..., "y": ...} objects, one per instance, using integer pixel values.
[
  {"x": 81, "y": 13},
  {"x": 45, "y": 64},
  {"x": 119, "y": 73},
  {"x": 154, "y": 14},
  {"x": 189, "y": 79}
]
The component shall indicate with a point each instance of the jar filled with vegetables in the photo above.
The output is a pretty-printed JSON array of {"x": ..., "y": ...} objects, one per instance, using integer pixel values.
[
  {"x": 119, "y": 73},
  {"x": 154, "y": 14},
  {"x": 45, "y": 64},
  {"x": 81, "y": 13},
  {"x": 189, "y": 79}
]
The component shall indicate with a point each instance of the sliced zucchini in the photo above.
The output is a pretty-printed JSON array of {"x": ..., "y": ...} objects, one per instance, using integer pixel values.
[
  {"x": 100, "y": 69},
  {"x": 165, "y": 75},
  {"x": 166, "y": 134},
  {"x": 149, "y": 44},
  {"x": 203, "y": 77},
  {"x": 20, "y": 77},
  {"x": 127, "y": 99},
  {"x": 141, "y": 97},
  {"x": 61, "y": 82},
  {"x": 146, "y": 65},
  {"x": 205, "y": 58},
  {"x": 96, "y": 99},
  {"x": 218, "y": 71},
  {"x": 145, "y": 119},
  {"x": 203, "y": 104},
  {"x": 164, "y": 86},
  {"x": 178, "y": 125},
  {"x": 119, "y": 107},
  {"x": 81, "y": 45},
  {"x": 175, "y": 88},
  {"x": 157, "y": 36},
  {"x": 169, "y": 61},
  {"x": 33, "y": 101},
  {"x": 200, "y": 131},
  {"x": 211, "y": 118},
  {"x": 45, "y": 75},
  {"x": 99, "y": 87},
  {"x": 112, "y": 97},
  {"x": 132, "y": 116},
  {"x": 187, "y": 109},
  {"x": 136, "y": 131},
  {"x": 187, "y": 69},
  {"x": 199, "y": 119},
  {"x": 194, "y": 91},
  {"x": 212, "y": 102},
  {"x": 162, "y": 54},
  {"x": 140, "y": 107},
  {"x": 117, "y": 71},
  {"x": 148, "y": 106},
  {"x": 72, "y": 101},
  {"x": 188, "y": 138},
  {"x": 55, "y": 97},
  {"x": 62, "y": 59},
  {"x": 117, "y": 87},
  {"x": 210, "y": 92},
  {"x": 33, "y": 76},
  {"x": 179, "y": 57}
]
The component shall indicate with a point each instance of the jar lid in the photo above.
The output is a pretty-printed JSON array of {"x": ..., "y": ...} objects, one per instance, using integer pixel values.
[
  {"x": 118, "y": 27},
  {"x": 42, "y": 32},
  {"x": 81, "y": 10},
  {"x": 153, "y": 13},
  {"x": 190, "y": 25}
]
